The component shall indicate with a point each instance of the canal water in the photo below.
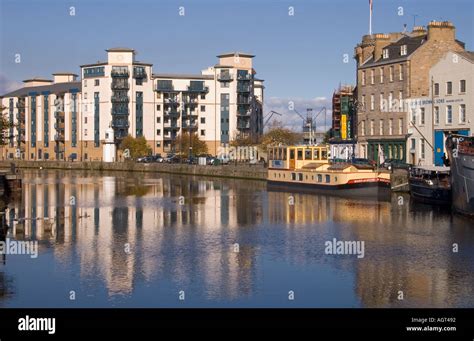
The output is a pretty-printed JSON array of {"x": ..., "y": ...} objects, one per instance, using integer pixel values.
[{"x": 155, "y": 240}]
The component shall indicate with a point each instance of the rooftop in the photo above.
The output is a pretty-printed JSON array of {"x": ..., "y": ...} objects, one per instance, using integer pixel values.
[
  {"x": 240, "y": 54},
  {"x": 120, "y": 49},
  {"x": 53, "y": 88}
]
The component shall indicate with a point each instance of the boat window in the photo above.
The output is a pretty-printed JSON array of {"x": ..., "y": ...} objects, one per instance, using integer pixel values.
[
  {"x": 300, "y": 154},
  {"x": 300, "y": 176},
  {"x": 320, "y": 178},
  {"x": 270, "y": 152},
  {"x": 307, "y": 154},
  {"x": 324, "y": 154},
  {"x": 335, "y": 179},
  {"x": 292, "y": 154},
  {"x": 328, "y": 178},
  {"x": 316, "y": 154},
  {"x": 284, "y": 153},
  {"x": 312, "y": 177},
  {"x": 293, "y": 176}
]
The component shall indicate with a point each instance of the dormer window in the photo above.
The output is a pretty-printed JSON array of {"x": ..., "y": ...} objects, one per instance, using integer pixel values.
[
  {"x": 403, "y": 50},
  {"x": 385, "y": 53}
]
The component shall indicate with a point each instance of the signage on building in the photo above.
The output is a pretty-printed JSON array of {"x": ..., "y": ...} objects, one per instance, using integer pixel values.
[{"x": 344, "y": 127}]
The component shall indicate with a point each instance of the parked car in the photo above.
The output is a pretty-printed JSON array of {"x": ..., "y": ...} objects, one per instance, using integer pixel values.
[
  {"x": 172, "y": 158},
  {"x": 223, "y": 160},
  {"x": 157, "y": 158},
  {"x": 144, "y": 159},
  {"x": 395, "y": 164}
]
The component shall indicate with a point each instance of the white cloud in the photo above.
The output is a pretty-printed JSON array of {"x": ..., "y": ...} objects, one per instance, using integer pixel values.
[
  {"x": 7, "y": 85},
  {"x": 291, "y": 119}
]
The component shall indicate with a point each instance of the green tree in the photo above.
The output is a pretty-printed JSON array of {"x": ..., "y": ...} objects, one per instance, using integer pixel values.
[
  {"x": 181, "y": 145},
  {"x": 241, "y": 140},
  {"x": 137, "y": 146}
]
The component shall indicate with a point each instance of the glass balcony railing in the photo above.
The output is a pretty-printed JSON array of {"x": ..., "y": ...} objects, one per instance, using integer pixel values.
[
  {"x": 244, "y": 100},
  {"x": 121, "y": 124},
  {"x": 120, "y": 99},
  {"x": 120, "y": 111},
  {"x": 243, "y": 88},
  {"x": 59, "y": 137},
  {"x": 225, "y": 77},
  {"x": 197, "y": 88},
  {"x": 120, "y": 73},
  {"x": 120, "y": 86},
  {"x": 164, "y": 86},
  {"x": 244, "y": 76}
]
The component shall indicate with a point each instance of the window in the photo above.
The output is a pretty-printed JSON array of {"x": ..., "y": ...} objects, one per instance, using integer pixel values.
[
  {"x": 139, "y": 81},
  {"x": 307, "y": 154},
  {"x": 158, "y": 132},
  {"x": 422, "y": 148},
  {"x": 400, "y": 100},
  {"x": 400, "y": 72},
  {"x": 413, "y": 116},
  {"x": 203, "y": 132},
  {"x": 436, "y": 115},
  {"x": 381, "y": 75},
  {"x": 400, "y": 126},
  {"x": 385, "y": 53},
  {"x": 158, "y": 107},
  {"x": 85, "y": 83},
  {"x": 225, "y": 84},
  {"x": 436, "y": 89},
  {"x": 462, "y": 113},
  {"x": 203, "y": 96},
  {"x": 390, "y": 100},
  {"x": 85, "y": 120},
  {"x": 372, "y": 102},
  {"x": 449, "y": 114},
  {"x": 403, "y": 50},
  {"x": 391, "y": 73},
  {"x": 372, "y": 76},
  {"x": 300, "y": 154},
  {"x": 390, "y": 126},
  {"x": 96, "y": 82},
  {"x": 381, "y": 127},
  {"x": 362, "y": 129},
  {"x": 363, "y": 103},
  {"x": 462, "y": 86},
  {"x": 203, "y": 108},
  {"x": 363, "y": 78},
  {"x": 422, "y": 116},
  {"x": 158, "y": 120},
  {"x": 381, "y": 104},
  {"x": 203, "y": 120},
  {"x": 328, "y": 179},
  {"x": 449, "y": 88},
  {"x": 315, "y": 154},
  {"x": 85, "y": 132},
  {"x": 320, "y": 178},
  {"x": 413, "y": 145},
  {"x": 85, "y": 95},
  {"x": 371, "y": 127}
]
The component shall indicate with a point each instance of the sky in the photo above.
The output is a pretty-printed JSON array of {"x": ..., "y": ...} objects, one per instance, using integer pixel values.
[{"x": 304, "y": 48}]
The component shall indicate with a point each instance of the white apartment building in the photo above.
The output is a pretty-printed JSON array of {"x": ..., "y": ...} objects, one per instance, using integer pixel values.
[
  {"x": 64, "y": 118},
  {"x": 451, "y": 91}
]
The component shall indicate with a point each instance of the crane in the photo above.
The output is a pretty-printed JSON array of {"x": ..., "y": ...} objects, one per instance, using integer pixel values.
[{"x": 268, "y": 117}]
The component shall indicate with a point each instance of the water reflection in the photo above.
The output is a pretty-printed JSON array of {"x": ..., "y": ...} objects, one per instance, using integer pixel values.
[{"x": 135, "y": 235}]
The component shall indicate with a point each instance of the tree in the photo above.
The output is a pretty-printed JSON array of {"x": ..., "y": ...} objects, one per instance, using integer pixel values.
[
  {"x": 137, "y": 146},
  {"x": 5, "y": 126},
  {"x": 181, "y": 145},
  {"x": 327, "y": 136},
  {"x": 241, "y": 140},
  {"x": 279, "y": 135}
]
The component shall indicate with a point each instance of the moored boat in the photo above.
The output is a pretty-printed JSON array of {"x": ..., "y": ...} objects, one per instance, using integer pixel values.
[
  {"x": 461, "y": 157},
  {"x": 430, "y": 184},
  {"x": 307, "y": 169}
]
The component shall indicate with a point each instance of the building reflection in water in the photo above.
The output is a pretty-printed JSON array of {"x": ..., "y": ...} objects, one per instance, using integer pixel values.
[{"x": 94, "y": 219}]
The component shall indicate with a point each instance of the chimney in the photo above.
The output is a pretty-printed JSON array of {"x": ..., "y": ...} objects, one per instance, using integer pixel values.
[
  {"x": 381, "y": 40},
  {"x": 418, "y": 31},
  {"x": 64, "y": 77},
  {"x": 441, "y": 31}
]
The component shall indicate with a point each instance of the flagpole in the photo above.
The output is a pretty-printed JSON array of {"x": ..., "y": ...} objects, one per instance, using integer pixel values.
[{"x": 370, "y": 17}]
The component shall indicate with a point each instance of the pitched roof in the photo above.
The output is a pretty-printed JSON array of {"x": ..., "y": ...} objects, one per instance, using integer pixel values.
[
  {"x": 469, "y": 55},
  {"x": 53, "y": 88}
]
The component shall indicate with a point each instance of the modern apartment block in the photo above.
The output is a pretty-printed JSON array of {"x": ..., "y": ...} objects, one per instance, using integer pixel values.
[
  {"x": 451, "y": 91},
  {"x": 344, "y": 121},
  {"x": 392, "y": 68},
  {"x": 65, "y": 118}
]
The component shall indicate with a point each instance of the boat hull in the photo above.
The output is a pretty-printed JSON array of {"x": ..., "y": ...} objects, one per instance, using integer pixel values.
[
  {"x": 462, "y": 173},
  {"x": 369, "y": 190},
  {"x": 429, "y": 195}
]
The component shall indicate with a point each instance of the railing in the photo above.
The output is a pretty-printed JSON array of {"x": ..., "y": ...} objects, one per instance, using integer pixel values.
[
  {"x": 120, "y": 99},
  {"x": 243, "y": 126},
  {"x": 173, "y": 125},
  {"x": 171, "y": 101},
  {"x": 120, "y": 124},
  {"x": 171, "y": 113},
  {"x": 20, "y": 105},
  {"x": 198, "y": 89},
  {"x": 59, "y": 137},
  {"x": 58, "y": 126},
  {"x": 244, "y": 100},
  {"x": 118, "y": 112},
  {"x": 20, "y": 116},
  {"x": 120, "y": 73},
  {"x": 139, "y": 74},
  {"x": 190, "y": 101},
  {"x": 190, "y": 126},
  {"x": 245, "y": 77},
  {"x": 120, "y": 85},
  {"x": 244, "y": 112},
  {"x": 243, "y": 88},
  {"x": 164, "y": 87},
  {"x": 59, "y": 114}
]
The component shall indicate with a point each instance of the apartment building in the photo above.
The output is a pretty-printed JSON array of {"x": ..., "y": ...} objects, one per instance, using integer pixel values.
[
  {"x": 392, "y": 68},
  {"x": 66, "y": 118},
  {"x": 451, "y": 91}
]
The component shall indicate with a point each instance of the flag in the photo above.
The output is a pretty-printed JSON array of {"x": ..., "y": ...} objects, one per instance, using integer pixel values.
[
  {"x": 370, "y": 4},
  {"x": 381, "y": 156}
]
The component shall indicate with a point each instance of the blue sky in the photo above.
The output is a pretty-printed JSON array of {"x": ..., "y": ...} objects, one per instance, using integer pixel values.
[{"x": 300, "y": 56}]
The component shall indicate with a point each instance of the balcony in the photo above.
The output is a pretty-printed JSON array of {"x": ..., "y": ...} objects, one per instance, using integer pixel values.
[
  {"x": 20, "y": 105},
  {"x": 139, "y": 73},
  {"x": 243, "y": 126},
  {"x": 244, "y": 77},
  {"x": 244, "y": 100},
  {"x": 171, "y": 101},
  {"x": 59, "y": 126},
  {"x": 120, "y": 124},
  {"x": 59, "y": 115},
  {"x": 120, "y": 99},
  {"x": 190, "y": 126},
  {"x": 243, "y": 88},
  {"x": 171, "y": 113},
  {"x": 164, "y": 86},
  {"x": 244, "y": 113},
  {"x": 120, "y": 86},
  {"x": 171, "y": 126},
  {"x": 119, "y": 111},
  {"x": 20, "y": 116},
  {"x": 197, "y": 89},
  {"x": 225, "y": 77},
  {"x": 121, "y": 73}
]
